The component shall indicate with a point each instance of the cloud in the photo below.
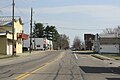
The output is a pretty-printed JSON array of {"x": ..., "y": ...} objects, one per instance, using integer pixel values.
[
  {"x": 104, "y": 11},
  {"x": 93, "y": 10}
]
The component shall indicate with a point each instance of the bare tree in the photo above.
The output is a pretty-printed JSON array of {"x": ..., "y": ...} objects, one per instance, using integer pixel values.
[
  {"x": 62, "y": 42},
  {"x": 108, "y": 31},
  {"x": 77, "y": 43},
  {"x": 112, "y": 30}
]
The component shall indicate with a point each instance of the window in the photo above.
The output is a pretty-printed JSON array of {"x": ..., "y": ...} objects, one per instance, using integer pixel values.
[{"x": 38, "y": 45}]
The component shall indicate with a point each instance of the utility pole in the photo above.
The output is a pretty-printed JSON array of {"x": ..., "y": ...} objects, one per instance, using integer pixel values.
[
  {"x": 119, "y": 49},
  {"x": 118, "y": 39},
  {"x": 34, "y": 36},
  {"x": 30, "y": 49},
  {"x": 13, "y": 5}
]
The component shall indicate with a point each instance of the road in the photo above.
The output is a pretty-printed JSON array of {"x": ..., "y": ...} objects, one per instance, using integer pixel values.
[{"x": 59, "y": 65}]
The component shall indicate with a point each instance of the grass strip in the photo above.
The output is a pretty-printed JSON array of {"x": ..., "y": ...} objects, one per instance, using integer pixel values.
[{"x": 99, "y": 57}]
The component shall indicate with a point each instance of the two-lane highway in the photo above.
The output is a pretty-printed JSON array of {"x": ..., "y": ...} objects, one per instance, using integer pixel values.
[
  {"x": 95, "y": 69},
  {"x": 16, "y": 68},
  {"x": 60, "y": 65},
  {"x": 62, "y": 68}
]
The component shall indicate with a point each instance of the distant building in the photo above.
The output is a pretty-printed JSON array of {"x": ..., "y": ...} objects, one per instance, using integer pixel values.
[
  {"x": 107, "y": 43},
  {"x": 89, "y": 38},
  {"x": 6, "y": 35},
  {"x": 39, "y": 44}
]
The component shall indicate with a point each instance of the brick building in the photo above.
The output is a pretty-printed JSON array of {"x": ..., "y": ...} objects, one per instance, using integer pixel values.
[{"x": 88, "y": 38}]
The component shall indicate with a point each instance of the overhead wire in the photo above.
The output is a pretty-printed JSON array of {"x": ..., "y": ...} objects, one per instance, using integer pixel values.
[
  {"x": 6, "y": 6},
  {"x": 18, "y": 9},
  {"x": 66, "y": 28},
  {"x": 23, "y": 14},
  {"x": 3, "y": 9},
  {"x": 77, "y": 28}
]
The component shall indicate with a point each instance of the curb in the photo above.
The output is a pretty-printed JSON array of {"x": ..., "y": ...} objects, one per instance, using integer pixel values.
[
  {"x": 17, "y": 55},
  {"x": 101, "y": 57},
  {"x": 7, "y": 57}
]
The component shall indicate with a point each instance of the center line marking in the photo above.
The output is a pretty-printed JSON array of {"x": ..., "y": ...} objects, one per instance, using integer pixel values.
[
  {"x": 22, "y": 76},
  {"x": 26, "y": 74}
]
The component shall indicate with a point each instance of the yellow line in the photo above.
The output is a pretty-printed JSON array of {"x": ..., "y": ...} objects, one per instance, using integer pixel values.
[
  {"x": 21, "y": 75},
  {"x": 26, "y": 74},
  {"x": 38, "y": 69}
]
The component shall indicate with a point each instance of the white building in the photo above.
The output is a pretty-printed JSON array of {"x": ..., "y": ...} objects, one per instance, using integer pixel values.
[
  {"x": 107, "y": 43},
  {"x": 39, "y": 44}
]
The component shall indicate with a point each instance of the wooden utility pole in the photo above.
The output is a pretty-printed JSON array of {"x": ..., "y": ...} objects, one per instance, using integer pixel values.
[
  {"x": 34, "y": 36},
  {"x": 119, "y": 50},
  {"x": 30, "y": 49},
  {"x": 13, "y": 53}
]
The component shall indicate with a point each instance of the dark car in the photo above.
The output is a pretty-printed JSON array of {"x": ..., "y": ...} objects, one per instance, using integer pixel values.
[{"x": 25, "y": 49}]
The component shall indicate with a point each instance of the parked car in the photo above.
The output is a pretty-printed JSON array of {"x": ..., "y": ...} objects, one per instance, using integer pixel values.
[{"x": 25, "y": 49}]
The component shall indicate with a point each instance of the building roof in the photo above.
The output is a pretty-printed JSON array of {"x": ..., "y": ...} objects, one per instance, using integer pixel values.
[
  {"x": 7, "y": 20},
  {"x": 109, "y": 35},
  {"x": 109, "y": 38}
]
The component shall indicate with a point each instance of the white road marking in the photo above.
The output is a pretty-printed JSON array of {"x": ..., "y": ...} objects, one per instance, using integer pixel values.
[{"x": 75, "y": 56}]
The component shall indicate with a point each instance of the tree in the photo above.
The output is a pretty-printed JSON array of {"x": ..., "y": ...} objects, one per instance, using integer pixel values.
[
  {"x": 51, "y": 33},
  {"x": 38, "y": 30},
  {"x": 62, "y": 42},
  {"x": 108, "y": 31},
  {"x": 77, "y": 43},
  {"x": 112, "y": 30}
]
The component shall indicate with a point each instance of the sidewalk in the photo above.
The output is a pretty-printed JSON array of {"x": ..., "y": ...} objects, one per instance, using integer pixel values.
[
  {"x": 18, "y": 55},
  {"x": 7, "y": 60},
  {"x": 4, "y": 56},
  {"x": 111, "y": 61},
  {"x": 28, "y": 53}
]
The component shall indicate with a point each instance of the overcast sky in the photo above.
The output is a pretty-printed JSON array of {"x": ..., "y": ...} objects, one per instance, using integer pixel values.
[{"x": 71, "y": 17}]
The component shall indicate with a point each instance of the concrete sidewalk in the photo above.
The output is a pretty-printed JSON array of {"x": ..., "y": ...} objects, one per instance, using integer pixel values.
[
  {"x": 7, "y": 60},
  {"x": 24, "y": 54},
  {"x": 28, "y": 53}
]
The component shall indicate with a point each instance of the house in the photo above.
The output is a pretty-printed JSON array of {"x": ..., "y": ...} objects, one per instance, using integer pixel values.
[
  {"x": 107, "y": 43},
  {"x": 6, "y": 35},
  {"x": 88, "y": 38},
  {"x": 5, "y": 43}
]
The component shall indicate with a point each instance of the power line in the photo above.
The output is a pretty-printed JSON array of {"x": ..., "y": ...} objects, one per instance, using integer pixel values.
[
  {"x": 5, "y": 9},
  {"x": 6, "y": 6},
  {"x": 26, "y": 22},
  {"x": 20, "y": 11},
  {"x": 77, "y": 28}
]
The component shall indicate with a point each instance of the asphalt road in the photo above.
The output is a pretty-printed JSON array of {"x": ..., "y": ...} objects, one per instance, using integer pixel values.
[
  {"x": 59, "y": 65},
  {"x": 95, "y": 69}
]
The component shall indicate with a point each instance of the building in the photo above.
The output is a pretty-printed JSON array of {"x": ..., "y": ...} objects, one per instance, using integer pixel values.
[
  {"x": 6, "y": 35},
  {"x": 89, "y": 38},
  {"x": 107, "y": 43},
  {"x": 39, "y": 44}
]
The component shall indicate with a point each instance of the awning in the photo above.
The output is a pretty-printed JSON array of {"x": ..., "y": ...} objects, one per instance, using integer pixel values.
[{"x": 23, "y": 36}]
